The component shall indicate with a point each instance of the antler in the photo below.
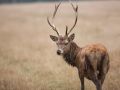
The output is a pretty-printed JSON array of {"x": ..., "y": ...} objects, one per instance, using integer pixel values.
[
  {"x": 76, "y": 17},
  {"x": 51, "y": 24}
]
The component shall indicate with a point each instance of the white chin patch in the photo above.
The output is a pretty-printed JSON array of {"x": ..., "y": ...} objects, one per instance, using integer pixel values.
[{"x": 61, "y": 51}]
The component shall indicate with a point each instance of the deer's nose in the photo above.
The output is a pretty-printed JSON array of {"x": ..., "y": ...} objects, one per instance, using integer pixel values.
[{"x": 58, "y": 52}]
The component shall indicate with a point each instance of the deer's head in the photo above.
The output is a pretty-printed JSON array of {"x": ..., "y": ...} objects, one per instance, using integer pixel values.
[{"x": 63, "y": 41}]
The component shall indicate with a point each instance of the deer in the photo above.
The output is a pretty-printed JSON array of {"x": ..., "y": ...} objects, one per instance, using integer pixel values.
[{"x": 91, "y": 61}]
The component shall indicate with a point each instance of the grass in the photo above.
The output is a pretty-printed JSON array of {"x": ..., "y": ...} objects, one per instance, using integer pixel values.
[{"x": 28, "y": 59}]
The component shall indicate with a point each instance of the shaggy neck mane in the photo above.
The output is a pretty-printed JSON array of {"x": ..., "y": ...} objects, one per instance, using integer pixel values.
[{"x": 70, "y": 56}]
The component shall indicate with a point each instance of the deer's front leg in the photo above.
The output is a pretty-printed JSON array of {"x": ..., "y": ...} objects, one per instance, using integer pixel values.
[{"x": 82, "y": 81}]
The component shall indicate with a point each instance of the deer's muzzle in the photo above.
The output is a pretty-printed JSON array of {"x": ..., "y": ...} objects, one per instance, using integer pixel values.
[{"x": 59, "y": 52}]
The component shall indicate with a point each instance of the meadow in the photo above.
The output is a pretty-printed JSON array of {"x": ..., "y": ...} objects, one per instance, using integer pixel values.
[{"x": 28, "y": 59}]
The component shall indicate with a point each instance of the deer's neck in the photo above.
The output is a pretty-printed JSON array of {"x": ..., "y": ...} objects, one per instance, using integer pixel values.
[{"x": 71, "y": 55}]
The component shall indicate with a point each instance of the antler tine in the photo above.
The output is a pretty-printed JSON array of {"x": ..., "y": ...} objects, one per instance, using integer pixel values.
[
  {"x": 76, "y": 17},
  {"x": 52, "y": 25},
  {"x": 56, "y": 8},
  {"x": 66, "y": 34}
]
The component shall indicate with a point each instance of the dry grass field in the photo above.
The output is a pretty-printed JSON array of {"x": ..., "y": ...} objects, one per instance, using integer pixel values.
[{"x": 28, "y": 59}]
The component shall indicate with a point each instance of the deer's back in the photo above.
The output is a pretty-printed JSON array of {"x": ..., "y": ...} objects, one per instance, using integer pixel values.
[{"x": 94, "y": 48}]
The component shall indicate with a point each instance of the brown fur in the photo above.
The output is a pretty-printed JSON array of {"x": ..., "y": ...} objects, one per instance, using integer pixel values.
[
  {"x": 92, "y": 62},
  {"x": 71, "y": 55}
]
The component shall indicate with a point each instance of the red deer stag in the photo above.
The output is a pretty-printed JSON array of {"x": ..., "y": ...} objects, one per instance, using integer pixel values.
[{"x": 92, "y": 61}]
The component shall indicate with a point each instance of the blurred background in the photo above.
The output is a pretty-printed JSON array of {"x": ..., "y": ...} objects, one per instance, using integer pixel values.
[
  {"x": 23, "y": 1},
  {"x": 28, "y": 59}
]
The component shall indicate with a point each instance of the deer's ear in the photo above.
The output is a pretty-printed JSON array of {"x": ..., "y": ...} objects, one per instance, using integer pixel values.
[
  {"x": 71, "y": 37},
  {"x": 54, "y": 38}
]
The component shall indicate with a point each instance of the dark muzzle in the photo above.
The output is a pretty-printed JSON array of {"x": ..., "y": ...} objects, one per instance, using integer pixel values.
[{"x": 58, "y": 52}]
